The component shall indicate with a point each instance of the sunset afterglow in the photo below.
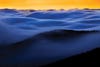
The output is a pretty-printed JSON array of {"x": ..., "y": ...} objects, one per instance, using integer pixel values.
[{"x": 49, "y": 4}]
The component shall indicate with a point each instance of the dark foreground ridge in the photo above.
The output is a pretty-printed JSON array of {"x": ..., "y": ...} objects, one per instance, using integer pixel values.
[{"x": 88, "y": 58}]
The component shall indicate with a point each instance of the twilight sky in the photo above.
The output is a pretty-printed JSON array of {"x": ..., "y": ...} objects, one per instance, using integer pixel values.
[{"x": 49, "y": 4}]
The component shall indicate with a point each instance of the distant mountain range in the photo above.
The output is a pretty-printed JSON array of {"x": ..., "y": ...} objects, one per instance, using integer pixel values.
[{"x": 32, "y": 10}]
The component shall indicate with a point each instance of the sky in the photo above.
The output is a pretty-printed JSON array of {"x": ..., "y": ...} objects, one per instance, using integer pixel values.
[{"x": 49, "y": 4}]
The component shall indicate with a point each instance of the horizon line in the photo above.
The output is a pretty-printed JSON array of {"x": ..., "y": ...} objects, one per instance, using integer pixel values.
[{"x": 48, "y": 9}]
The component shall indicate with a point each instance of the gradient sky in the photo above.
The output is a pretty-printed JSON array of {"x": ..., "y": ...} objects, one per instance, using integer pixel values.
[{"x": 49, "y": 4}]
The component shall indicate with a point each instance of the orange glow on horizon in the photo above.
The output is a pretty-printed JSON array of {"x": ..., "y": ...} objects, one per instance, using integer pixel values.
[{"x": 49, "y": 4}]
